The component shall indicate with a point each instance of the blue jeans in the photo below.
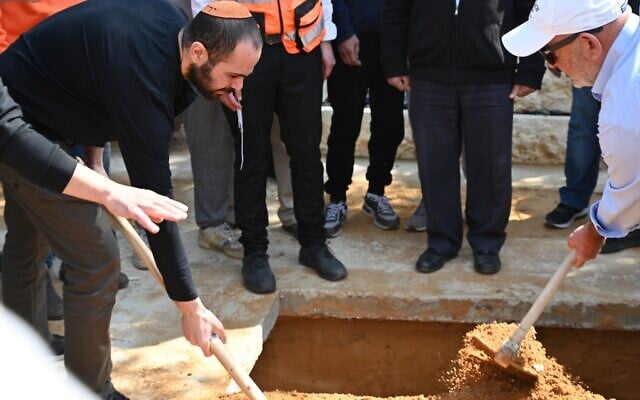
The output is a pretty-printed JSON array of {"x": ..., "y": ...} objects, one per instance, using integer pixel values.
[{"x": 583, "y": 150}]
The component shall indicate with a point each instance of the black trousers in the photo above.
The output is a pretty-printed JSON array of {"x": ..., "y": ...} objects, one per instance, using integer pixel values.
[
  {"x": 80, "y": 234},
  {"x": 443, "y": 118},
  {"x": 347, "y": 87},
  {"x": 291, "y": 86}
]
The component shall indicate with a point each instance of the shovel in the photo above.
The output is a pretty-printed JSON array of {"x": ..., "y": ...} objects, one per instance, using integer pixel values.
[
  {"x": 244, "y": 381},
  {"x": 506, "y": 357}
]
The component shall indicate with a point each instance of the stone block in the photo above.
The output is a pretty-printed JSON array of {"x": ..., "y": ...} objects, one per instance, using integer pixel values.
[{"x": 553, "y": 98}]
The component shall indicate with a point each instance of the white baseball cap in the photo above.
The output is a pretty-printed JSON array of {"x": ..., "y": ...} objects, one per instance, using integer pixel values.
[{"x": 549, "y": 18}]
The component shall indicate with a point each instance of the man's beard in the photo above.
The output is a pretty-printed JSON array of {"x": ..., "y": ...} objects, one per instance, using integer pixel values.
[{"x": 200, "y": 77}]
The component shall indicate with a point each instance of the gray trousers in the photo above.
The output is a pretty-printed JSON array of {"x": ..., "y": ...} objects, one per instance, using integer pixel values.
[
  {"x": 211, "y": 146},
  {"x": 80, "y": 234}
]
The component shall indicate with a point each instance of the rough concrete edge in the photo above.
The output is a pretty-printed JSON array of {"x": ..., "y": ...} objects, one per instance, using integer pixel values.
[
  {"x": 559, "y": 314},
  {"x": 266, "y": 326}
]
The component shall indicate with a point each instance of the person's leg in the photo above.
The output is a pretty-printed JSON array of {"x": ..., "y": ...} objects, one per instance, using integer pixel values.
[
  {"x": 582, "y": 161},
  {"x": 23, "y": 269},
  {"x": 211, "y": 146},
  {"x": 80, "y": 234},
  {"x": 252, "y": 156},
  {"x": 387, "y": 131},
  {"x": 283, "y": 179},
  {"x": 583, "y": 150},
  {"x": 435, "y": 120},
  {"x": 347, "y": 90},
  {"x": 487, "y": 125},
  {"x": 299, "y": 110}
]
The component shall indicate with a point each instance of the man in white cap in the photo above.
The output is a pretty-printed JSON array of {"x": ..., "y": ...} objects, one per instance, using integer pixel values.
[{"x": 596, "y": 43}]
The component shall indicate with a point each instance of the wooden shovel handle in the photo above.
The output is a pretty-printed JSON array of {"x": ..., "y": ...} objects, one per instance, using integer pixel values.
[
  {"x": 139, "y": 246},
  {"x": 544, "y": 298},
  {"x": 244, "y": 381}
]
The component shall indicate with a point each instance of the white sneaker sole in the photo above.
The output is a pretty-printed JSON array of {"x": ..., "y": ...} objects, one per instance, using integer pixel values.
[
  {"x": 567, "y": 224},
  {"x": 368, "y": 211}
]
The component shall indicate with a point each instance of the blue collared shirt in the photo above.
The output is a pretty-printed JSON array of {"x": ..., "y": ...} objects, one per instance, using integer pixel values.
[{"x": 617, "y": 86}]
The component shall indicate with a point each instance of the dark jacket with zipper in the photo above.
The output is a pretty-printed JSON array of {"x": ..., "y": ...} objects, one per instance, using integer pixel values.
[{"x": 436, "y": 41}]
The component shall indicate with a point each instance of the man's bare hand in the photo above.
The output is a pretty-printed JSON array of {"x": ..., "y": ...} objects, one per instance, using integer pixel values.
[
  {"x": 146, "y": 207},
  {"x": 401, "y": 83},
  {"x": 199, "y": 324},
  {"x": 328, "y": 59},
  {"x": 520, "y": 91},
  {"x": 587, "y": 243},
  {"x": 349, "y": 51}
]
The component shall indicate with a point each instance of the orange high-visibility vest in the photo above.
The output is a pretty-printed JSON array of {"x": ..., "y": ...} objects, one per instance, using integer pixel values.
[
  {"x": 18, "y": 17},
  {"x": 298, "y": 24}
]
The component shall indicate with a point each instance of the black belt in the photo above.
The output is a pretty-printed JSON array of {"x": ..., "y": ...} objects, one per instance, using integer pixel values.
[{"x": 272, "y": 39}]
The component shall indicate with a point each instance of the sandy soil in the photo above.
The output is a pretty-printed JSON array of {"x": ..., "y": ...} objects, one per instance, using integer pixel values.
[{"x": 469, "y": 378}]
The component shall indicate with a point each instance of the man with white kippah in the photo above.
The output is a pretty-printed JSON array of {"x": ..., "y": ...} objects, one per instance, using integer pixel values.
[{"x": 595, "y": 42}]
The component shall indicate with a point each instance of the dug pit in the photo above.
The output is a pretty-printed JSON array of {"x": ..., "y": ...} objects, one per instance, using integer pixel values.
[{"x": 437, "y": 361}]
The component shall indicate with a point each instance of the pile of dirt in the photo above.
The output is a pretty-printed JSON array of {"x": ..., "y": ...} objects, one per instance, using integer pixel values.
[{"x": 470, "y": 378}]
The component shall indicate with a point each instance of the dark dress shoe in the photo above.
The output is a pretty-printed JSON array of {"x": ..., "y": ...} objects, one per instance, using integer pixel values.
[
  {"x": 614, "y": 245},
  {"x": 320, "y": 258},
  {"x": 486, "y": 263},
  {"x": 256, "y": 274},
  {"x": 431, "y": 261}
]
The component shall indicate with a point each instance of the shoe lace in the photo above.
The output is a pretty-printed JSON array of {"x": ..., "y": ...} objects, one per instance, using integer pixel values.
[
  {"x": 333, "y": 211},
  {"x": 228, "y": 232},
  {"x": 384, "y": 207}
]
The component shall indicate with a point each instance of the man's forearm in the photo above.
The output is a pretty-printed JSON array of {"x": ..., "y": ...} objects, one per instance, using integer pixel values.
[{"x": 89, "y": 185}]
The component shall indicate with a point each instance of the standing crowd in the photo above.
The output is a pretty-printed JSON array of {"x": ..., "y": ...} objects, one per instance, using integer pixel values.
[{"x": 247, "y": 78}]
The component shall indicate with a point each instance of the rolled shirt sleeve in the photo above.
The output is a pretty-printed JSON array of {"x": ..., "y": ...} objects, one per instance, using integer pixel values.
[
  {"x": 618, "y": 211},
  {"x": 330, "y": 28}
]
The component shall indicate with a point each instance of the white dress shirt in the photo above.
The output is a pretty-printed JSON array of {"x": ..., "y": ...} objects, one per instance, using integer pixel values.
[
  {"x": 327, "y": 8},
  {"x": 617, "y": 86}
]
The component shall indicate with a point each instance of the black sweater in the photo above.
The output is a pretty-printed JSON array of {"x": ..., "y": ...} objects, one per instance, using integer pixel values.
[
  {"x": 27, "y": 152},
  {"x": 110, "y": 70},
  {"x": 432, "y": 40}
]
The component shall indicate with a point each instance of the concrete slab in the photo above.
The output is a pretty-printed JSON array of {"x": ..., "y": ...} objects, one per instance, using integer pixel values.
[{"x": 151, "y": 360}]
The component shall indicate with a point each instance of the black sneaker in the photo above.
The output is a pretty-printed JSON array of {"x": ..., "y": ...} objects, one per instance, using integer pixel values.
[
  {"x": 256, "y": 274},
  {"x": 334, "y": 216},
  {"x": 57, "y": 346},
  {"x": 563, "y": 216},
  {"x": 614, "y": 245},
  {"x": 320, "y": 258},
  {"x": 378, "y": 208},
  {"x": 115, "y": 395}
]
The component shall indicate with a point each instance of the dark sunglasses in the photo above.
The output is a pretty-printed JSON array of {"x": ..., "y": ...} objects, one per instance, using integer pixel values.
[{"x": 547, "y": 52}]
